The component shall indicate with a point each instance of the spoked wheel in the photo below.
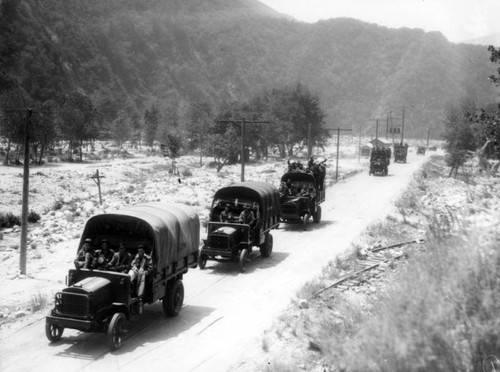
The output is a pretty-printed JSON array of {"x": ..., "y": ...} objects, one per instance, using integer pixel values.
[
  {"x": 172, "y": 302},
  {"x": 267, "y": 247},
  {"x": 53, "y": 332},
  {"x": 317, "y": 215},
  {"x": 115, "y": 331},
  {"x": 305, "y": 220},
  {"x": 202, "y": 260},
  {"x": 243, "y": 259}
]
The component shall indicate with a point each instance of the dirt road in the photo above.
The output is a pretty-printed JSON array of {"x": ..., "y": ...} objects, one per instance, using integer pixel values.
[{"x": 225, "y": 313}]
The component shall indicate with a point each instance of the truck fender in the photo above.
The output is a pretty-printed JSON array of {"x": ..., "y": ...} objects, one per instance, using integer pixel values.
[{"x": 118, "y": 307}]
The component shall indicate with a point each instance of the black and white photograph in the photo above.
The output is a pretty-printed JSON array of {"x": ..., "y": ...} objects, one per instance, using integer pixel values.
[{"x": 249, "y": 185}]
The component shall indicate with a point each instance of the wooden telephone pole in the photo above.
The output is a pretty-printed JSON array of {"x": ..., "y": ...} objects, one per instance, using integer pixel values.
[
  {"x": 97, "y": 179},
  {"x": 26, "y": 178},
  {"x": 242, "y": 123},
  {"x": 338, "y": 129}
]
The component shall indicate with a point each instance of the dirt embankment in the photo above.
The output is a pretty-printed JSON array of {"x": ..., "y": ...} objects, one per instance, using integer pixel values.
[{"x": 310, "y": 334}]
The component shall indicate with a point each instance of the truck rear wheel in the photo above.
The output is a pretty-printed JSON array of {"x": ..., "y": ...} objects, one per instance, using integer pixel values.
[
  {"x": 53, "y": 332},
  {"x": 267, "y": 247},
  {"x": 305, "y": 220},
  {"x": 317, "y": 215},
  {"x": 173, "y": 300},
  {"x": 243, "y": 259},
  {"x": 115, "y": 331}
]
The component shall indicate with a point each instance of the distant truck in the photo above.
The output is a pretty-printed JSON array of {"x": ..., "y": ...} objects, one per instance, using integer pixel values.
[
  {"x": 102, "y": 300},
  {"x": 380, "y": 158},
  {"x": 400, "y": 153}
]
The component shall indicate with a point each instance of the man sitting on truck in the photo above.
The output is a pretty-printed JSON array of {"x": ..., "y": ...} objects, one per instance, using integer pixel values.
[
  {"x": 121, "y": 260},
  {"x": 84, "y": 257},
  {"x": 247, "y": 216},
  {"x": 226, "y": 214},
  {"x": 141, "y": 265},
  {"x": 103, "y": 256}
]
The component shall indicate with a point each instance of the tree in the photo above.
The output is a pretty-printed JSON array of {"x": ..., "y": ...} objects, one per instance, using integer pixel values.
[
  {"x": 199, "y": 117},
  {"x": 14, "y": 104},
  {"x": 459, "y": 134},
  {"x": 171, "y": 147},
  {"x": 121, "y": 128},
  {"x": 223, "y": 144},
  {"x": 293, "y": 111},
  {"x": 78, "y": 121},
  {"x": 44, "y": 127},
  {"x": 137, "y": 128},
  {"x": 151, "y": 122}
]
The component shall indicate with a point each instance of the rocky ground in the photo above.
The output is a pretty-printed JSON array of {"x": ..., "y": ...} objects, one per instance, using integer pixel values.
[{"x": 65, "y": 196}]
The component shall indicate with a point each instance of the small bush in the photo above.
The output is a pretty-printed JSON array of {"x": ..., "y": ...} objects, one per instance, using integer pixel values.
[
  {"x": 38, "y": 302},
  {"x": 33, "y": 217},
  {"x": 8, "y": 220}
]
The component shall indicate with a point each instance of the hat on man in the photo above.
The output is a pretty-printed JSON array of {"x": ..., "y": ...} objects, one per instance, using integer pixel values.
[{"x": 88, "y": 240}]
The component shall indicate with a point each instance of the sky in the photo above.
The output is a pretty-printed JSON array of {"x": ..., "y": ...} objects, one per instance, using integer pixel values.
[{"x": 457, "y": 20}]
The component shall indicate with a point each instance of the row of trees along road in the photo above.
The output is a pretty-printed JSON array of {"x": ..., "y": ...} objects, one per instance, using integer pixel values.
[
  {"x": 471, "y": 129},
  {"x": 292, "y": 114}
]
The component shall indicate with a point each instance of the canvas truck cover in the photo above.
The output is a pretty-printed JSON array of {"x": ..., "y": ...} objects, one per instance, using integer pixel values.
[
  {"x": 261, "y": 192},
  {"x": 173, "y": 230}
]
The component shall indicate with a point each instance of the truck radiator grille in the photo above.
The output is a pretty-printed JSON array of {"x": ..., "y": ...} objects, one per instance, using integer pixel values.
[
  {"x": 219, "y": 242},
  {"x": 72, "y": 304},
  {"x": 289, "y": 208}
]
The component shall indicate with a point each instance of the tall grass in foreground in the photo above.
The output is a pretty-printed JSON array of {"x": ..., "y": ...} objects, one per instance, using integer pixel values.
[{"x": 441, "y": 314}]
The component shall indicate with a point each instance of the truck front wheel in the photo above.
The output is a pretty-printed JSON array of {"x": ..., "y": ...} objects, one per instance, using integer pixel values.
[
  {"x": 53, "y": 332},
  {"x": 202, "y": 260},
  {"x": 172, "y": 302},
  {"x": 115, "y": 331}
]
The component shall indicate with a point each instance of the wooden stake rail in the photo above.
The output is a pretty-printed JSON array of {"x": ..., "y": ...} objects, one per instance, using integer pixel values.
[{"x": 371, "y": 263}]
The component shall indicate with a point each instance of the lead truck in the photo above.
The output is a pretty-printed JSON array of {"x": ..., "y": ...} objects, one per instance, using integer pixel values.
[{"x": 104, "y": 300}]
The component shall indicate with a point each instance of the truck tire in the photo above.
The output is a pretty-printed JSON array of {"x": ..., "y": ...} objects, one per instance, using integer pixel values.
[
  {"x": 173, "y": 300},
  {"x": 202, "y": 260},
  {"x": 53, "y": 331},
  {"x": 116, "y": 330},
  {"x": 317, "y": 215},
  {"x": 305, "y": 220},
  {"x": 243, "y": 259},
  {"x": 267, "y": 247}
]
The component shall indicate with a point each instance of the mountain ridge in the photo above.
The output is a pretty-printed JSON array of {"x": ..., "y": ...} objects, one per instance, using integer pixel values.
[{"x": 129, "y": 54}]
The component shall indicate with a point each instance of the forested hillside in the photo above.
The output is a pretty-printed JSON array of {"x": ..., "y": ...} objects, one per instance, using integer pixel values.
[{"x": 129, "y": 54}]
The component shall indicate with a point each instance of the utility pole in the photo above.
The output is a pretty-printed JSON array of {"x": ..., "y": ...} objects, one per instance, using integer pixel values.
[
  {"x": 428, "y": 135},
  {"x": 309, "y": 144},
  {"x": 403, "y": 127},
  {"x": 376, "y": 128},
  {"x": 359, "y": 146},
  {"x": 242, "y": 122},
  {"x": 387, "y": 127},
  {"x": 97, "y": 179},
  {"x": 26, "y": 177},
  {"x": 338, "y": 129}
]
